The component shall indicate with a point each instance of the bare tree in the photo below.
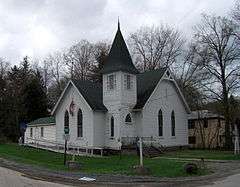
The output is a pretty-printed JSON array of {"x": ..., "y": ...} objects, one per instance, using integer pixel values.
[
  {"x": 219, "y": 48},
  {"x": 54, "y": 70},
  {"x": 190, "y": 74},
  {"x": 79, "y": 59},
  {"x": 154, "y": 47}
]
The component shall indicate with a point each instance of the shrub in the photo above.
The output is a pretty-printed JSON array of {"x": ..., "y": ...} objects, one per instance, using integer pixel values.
[{"x": 191, "y": 168}]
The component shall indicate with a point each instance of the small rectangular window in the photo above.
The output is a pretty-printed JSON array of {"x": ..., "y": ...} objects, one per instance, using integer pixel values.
[
  {"x": 191, "y": 124},
  {"x": 192, "y": 140},
  {"x": 111, "y": 82},
  {"x": 42, "y": 131},
  {"x": 31, "y": 132}
]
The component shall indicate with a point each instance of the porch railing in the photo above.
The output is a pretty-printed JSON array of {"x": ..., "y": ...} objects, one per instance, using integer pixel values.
[{"x": 59, "y": 147}]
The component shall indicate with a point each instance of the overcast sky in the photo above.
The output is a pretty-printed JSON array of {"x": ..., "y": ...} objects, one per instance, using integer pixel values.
[{"x": 38, "y": 27}]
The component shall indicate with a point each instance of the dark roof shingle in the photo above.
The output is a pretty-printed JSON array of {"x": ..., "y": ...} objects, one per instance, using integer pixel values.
[
  {"x": 146, "y": 83},
  {"x": 92, "y": 92}
]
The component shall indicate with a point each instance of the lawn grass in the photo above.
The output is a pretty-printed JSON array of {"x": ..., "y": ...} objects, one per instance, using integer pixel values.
[
  {"x": 97, "y": 165},
  {"x": 206, "y": 154}
]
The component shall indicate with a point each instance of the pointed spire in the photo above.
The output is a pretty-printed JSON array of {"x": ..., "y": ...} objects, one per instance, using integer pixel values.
[
  {"x": 119, "y": 58},
  {"x": 118, "y": 24}
]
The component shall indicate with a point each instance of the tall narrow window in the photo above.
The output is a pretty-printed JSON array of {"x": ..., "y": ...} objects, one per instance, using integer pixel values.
[
  {"x": 160, "y": 123},
  {"x": 66, "y": 123},
  {"x": 80, "y": 124},
  {"x": 42, "y": 131},
  {"x": 111, "y": 82},
  {"x": 112, "y": 127},
  {"x": 173, "y": 123},
  {"x": 31, "y": 132},
  {"x": 127, "y": 82}
]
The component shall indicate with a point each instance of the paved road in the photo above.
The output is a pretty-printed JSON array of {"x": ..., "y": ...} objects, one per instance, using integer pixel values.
[
  {"x": 231, "y": 181},
  {"x": 10, "y": 178}
]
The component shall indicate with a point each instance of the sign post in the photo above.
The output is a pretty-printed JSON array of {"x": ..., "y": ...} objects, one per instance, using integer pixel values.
[
  {"x": 236, "y": 140},
  {"x": 141, "y": 152},
  {"x": 66, "y": 137}
]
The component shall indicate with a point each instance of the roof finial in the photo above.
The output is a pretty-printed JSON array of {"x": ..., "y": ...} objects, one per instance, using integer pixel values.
[{"x": 118, "y": 23}]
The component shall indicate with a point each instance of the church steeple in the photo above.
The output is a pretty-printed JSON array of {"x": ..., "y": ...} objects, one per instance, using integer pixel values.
[
  {"x": 118, "y": 24},
  {"x": 119, "y": 58}
]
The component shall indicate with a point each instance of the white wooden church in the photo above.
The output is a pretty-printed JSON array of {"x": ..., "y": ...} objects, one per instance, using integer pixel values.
[{"x": 127, "y": 105}]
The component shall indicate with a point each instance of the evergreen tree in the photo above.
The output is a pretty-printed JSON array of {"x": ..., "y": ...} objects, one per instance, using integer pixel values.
[{"x": 34, "y": 98}]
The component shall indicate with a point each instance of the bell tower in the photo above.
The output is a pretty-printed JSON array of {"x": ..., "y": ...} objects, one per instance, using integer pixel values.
[{"x": 119, "y": 76}]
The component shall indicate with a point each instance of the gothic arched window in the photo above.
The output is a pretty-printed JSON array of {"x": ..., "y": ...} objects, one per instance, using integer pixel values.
[
  {"x": 128, "y": 119},
  {"x": 79, "y": 123},
  {"x": 112, "y": 127},
  {"x": 173, "y": 123},
  {"x": 66, "y": 122},
  {"x": 160, "y": 123}
]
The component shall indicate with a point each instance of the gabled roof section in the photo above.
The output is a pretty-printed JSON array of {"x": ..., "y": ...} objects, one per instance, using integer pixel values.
[
  {"x": 92, "y": 93},
  {"x": 119, "y": 58},
  {"x": 43, "y": 121},
  {"x": 146, "y": 83}
]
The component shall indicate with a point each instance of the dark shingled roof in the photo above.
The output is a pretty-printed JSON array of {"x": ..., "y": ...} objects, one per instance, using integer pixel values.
[
  {"x": 92, "y": 92},
  {"x": 43, "y": 121},
  {"x": 119, "y": 58},
  {"x": 146, "y": 83}
]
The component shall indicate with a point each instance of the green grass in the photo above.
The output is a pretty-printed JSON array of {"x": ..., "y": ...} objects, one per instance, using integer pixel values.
[
  {"x": 98, "y": 165},
  {"x": 206, "y": 154}
]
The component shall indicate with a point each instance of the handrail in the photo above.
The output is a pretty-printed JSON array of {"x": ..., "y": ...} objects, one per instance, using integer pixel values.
[{"x": 70, "y": 144}]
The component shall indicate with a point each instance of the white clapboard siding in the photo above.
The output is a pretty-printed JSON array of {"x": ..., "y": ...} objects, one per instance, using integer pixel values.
[
  {"x": 166, "y": 98},
  {"x": 72, "y": 94},
  {"x": 49, "y": 132}
]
